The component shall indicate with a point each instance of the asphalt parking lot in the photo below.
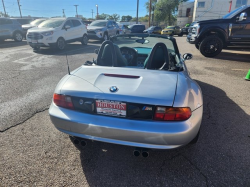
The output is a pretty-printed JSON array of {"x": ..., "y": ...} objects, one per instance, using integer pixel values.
[{"x": 34, "y": 153}]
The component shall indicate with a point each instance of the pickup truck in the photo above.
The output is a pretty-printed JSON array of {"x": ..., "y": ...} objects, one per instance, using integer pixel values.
[{"x": 211, "y": 36}]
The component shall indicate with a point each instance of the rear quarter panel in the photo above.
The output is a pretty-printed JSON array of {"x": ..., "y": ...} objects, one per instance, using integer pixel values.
[{"x": 188, "y": 92}]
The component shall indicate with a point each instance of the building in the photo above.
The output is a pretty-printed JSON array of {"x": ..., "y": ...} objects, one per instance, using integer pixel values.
[{"x": 206, "y": 9}]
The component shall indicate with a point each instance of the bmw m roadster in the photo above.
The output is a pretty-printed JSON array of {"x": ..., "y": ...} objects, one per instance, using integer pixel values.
[{"x": 137, "y": 92}]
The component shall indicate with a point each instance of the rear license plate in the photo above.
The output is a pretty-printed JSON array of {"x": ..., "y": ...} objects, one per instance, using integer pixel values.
[
  {"x": 111, "y": 108},
  {"x": 34, "y": 41}
]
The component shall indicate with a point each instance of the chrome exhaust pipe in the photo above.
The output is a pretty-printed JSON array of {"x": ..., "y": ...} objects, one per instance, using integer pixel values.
[
  {"x": 137, "y": 152},
  {"x": 83, "y": 143},
  {"x": 76, "y": 141},
  {"x": 145, "y": 154}
]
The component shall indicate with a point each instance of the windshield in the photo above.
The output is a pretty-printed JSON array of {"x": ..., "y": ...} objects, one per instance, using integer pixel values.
[
  {"x": 37, "y": 22},
  {"x": 52, "y": 23},
  {"x": 169, "y": 27},
  {"x": 233, "y": 13},
  {"x": 135, "y": 50},
  {"x": 99, "y": 23},
  {"x": 151, "y": 28}
]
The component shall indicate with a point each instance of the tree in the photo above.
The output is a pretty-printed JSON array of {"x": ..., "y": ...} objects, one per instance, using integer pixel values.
[
  {"x": 114, "y": 17},
  {"x": 103, "y": 16},
  {"x": 165, "y": 10},
  {"x": 3, "y": 15},
  {"x": 126, "y": 18}
]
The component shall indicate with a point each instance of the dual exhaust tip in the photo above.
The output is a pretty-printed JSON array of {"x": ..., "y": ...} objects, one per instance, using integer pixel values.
[
  {"x": 79, "y": 141},
  {"x": 137, "y": 152},
  {"x": 144, "y": 152}
]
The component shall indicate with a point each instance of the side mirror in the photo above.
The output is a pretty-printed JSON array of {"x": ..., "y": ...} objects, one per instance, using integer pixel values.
[
  {"x": 243, "y": 16},
  {"x": 187, "y": 56},
  {"x": 67, "y": 27}
]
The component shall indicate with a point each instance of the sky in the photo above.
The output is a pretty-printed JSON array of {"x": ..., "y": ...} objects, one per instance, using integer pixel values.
[{"x": 50, "y": 8}]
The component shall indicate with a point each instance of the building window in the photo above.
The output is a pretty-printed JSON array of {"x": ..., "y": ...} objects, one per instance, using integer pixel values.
[
  {"x": 188, "y": 12},
  {"x": 201, "y": 4},
  {"x": 240, "y": 3}
]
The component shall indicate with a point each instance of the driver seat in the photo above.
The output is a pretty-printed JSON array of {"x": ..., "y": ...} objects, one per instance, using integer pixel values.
[{"x": 110, "y": 55}]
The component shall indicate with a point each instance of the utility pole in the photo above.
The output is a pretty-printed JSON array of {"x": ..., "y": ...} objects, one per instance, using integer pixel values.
[
  {"x": 97, "y": 12},
  {"x": 92, "y": 13},
  {"x": 137, "y": 12},
  {"x": 4, "y": 10},
  {"x": 19, "y": 8},
  {"x": 63, "y": 13},
  {"x": 149, "y": 19},
  {"x": 76, "y": 10},
  {"x": 195, "y": 8}
]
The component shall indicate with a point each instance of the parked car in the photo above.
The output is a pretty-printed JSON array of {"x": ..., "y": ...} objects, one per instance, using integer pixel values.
[
  {"x": 32, "y": 24},
  {"x": 102, "y": 29},
  {"x": 153, "y": 30},
  {"x": 57, "y": 32},
  {"x": 172, "y": 30},
  {"x": 117, "y": 99},
  {"x": 184, "y": 30},
  {"x": 85, "y": 22},
  {"x": 10, "y": 29},
  {"x": 137, "y": 28},
  {"x": 123, "y": 29},
  {"x": 24, "y": 21},
  {"x": 211, "y": 36}
]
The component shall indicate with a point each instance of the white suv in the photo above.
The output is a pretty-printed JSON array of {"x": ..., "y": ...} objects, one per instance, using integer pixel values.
[{"x": 57, "y": 32}]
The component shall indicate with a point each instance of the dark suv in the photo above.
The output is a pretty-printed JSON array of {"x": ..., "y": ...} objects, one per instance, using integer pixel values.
[
  {"x": 10, "y": 29},
  {"x": 211, "y": 36},
  {"x": 137, "y": 28}
]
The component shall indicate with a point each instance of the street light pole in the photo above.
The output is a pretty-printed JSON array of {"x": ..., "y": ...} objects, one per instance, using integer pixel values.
[
  {"x": 137, "y": 12},
  {"x": 96, "y": 11},
  {"x": 149, "y": 19},
  {"x": 4, "y": 10},
  {"x": 19, "y": 8},
  {"x": 76, "y": 10}
]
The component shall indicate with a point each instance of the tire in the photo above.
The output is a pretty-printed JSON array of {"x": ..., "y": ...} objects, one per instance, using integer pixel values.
[
  {"x": 195, "y": 140},
  {"x": 180, "y": 34},
  {"x": 84, "y": 40},
  {"x": 197, "y": 46},
  {"x": 60, "y": 44},
  {"x": 36, "y": 48},
  {"x": 105, "y": 37},
  {"x": 211, "y": 46},
  {"x": 18, "y": 36}
]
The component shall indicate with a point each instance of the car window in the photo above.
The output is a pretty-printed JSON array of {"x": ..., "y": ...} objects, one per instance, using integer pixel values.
[
  {"x": 69, "y": 23},
  {"x": 109, "y": 24},
  {"x": 177, "y": 27},
  {"x": 114, "y": 24},
  {"x": 76, "y": 23},
  {"x": 24, "y": 21},
  {"x": 51, "y": 23},
  {"x": 8, "y": 21},
  {"x": 99, "y": 23}
]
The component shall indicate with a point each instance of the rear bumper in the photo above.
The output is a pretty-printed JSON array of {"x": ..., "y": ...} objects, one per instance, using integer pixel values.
[{"x": 136, "y": 133}]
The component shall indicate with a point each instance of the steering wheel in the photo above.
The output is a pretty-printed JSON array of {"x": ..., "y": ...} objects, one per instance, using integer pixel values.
[{"x": 130, "y": 54}]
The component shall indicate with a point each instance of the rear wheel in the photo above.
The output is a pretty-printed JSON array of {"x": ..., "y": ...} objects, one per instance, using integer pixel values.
[
  {"x": 181, "y": 34},
  {"x": 211, "y": 46},
  {"x": 84, "y": 40},
  {"x": 60, "y": 44},
  {"x": 194, "y": 141},
  {"x": 18, "y": 37},
  {"x": 36, "y": 48}
]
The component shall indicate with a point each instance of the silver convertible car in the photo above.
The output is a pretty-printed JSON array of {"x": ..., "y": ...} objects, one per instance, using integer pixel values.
[{"x": 137, "y": 92}]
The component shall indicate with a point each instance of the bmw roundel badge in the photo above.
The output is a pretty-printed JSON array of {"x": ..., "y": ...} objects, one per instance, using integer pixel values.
[{"x": 113, "y": 89}]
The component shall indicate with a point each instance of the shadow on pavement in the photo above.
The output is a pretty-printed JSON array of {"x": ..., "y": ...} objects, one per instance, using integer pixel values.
[
  {"x": 11, "y": 43},
  {"x": 220, "y": 158},
  {"x": 241, "y": 54}
]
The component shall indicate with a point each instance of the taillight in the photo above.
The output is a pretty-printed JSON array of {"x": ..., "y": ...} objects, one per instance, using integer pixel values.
[
  {"x": 172, "y": 114},
  {"x": 63, "y": 101}
]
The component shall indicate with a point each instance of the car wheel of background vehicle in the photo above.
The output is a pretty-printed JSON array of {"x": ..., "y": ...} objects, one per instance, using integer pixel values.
[
  {"x": 197, "y": 46},
  {"x": 194, "y": 141},
  {"x": 84, "y": 39},
  {"x": 60, "y": 44},
  {"x": 105, "y": 37},
  {"x": 180, "y": 34},
  {"x": 18, "y": 37},
  {"x": 211, "y": 46}
]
